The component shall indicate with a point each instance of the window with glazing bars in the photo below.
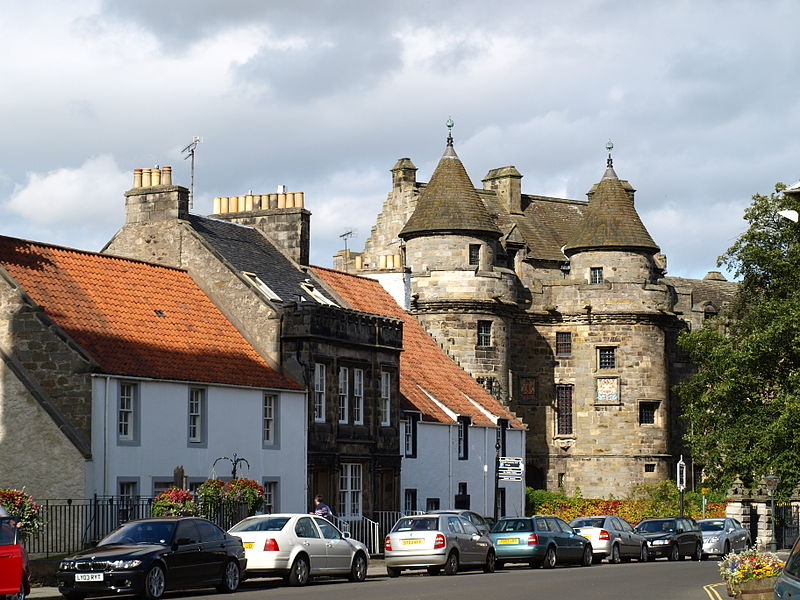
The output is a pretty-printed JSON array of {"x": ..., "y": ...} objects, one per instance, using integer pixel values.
[
  {"x": 358, "y": 396},
  {"x": 127, "y": 395},
  {"x": 474, "y": 254},
  {"x": 196, "y": 414},
  {"x": 386, "y": 398},
  {"x": 484, "y": 333},
  {"x": 596, "y": 275},
  {"x": 319, "y": 392},
  {"x": 563, "y": 342},
  {"x": 268, "y": 429},
  {"x": 564, "y": 409},
  {"x": 606, "y": 358},
  {"x": 647, "y": 413},
  {"x": 344, "y": 391}
]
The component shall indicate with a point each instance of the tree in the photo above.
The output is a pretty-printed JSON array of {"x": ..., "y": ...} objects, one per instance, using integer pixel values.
[{"x": 742, "y": 404}]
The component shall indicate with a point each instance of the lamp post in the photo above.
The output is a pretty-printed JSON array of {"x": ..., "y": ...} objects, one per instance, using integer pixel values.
[
  {"x": 496, "y": 479},
  {"x": 771, "y": 480},
  {"x": 681, "y": 481},
  {"x": 234, "y": 462}
]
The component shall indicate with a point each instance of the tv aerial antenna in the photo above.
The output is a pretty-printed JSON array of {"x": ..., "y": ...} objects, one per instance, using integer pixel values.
[
  {"x": 189, "y": 151},
  {"x": 346, "y": 236}
]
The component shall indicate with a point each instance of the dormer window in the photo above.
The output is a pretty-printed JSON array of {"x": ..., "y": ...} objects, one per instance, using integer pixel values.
[
  {"x": 312, "y": 291},
  {"x": 474, "y": 254},
  {"x": 596, "y": 275},
  {"x": 261, "y": 286}
]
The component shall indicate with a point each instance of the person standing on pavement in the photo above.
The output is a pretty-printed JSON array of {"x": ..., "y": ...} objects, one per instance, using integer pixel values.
[{"x": 320, "y": 508}]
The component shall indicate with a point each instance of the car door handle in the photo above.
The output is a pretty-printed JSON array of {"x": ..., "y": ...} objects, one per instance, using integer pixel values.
[
  {"x": 305, "y": 543},
  {"x": 328, "y": 544}
]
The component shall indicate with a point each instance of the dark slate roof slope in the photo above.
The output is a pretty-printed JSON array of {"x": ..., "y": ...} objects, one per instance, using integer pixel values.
[
  {"x": 246, "y": 249},
  {"x": 717, "y": 291},
  {"x": 449, "y": 203}
]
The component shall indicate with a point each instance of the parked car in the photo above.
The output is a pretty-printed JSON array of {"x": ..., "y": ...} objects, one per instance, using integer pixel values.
[
  {"x": 437, "y": 542},
  {"x": 149, "y": 556},
  {"x": 298, "y": 547},
  {"x": 539, "y": 540},
  {"x": 14, "y": 570},
  {"x": 672, "y": 538},
  {"x": 788, "y": 584},
  {"x": 612, "y": 537},
  {"x": 482, "y": 524},
  {"x": 721, "y": 536}
]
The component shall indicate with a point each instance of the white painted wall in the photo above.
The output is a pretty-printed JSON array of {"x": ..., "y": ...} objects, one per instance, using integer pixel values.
[
  {"x": 234, "y": 425},
  {"x": 437, "y": 470}
]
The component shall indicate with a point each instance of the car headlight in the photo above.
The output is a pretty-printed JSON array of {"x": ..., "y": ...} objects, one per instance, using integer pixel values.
[
  {"x": 713, "y": 538},
  {"x": 661, "y": 542},
  {"x": 66, "y": 565},
  {"x": 124, "y": 564}
]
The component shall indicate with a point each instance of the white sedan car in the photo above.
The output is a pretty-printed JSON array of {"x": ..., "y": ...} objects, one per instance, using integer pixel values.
[{"x": 298, "y": 547}]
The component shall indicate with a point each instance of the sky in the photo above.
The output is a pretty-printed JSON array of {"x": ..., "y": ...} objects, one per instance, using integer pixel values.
[{"x": 699, "y": 97}]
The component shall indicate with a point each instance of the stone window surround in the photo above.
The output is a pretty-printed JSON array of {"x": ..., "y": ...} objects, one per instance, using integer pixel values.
[
  {"x": 135, "y": 419},
  {"x": 571, "y": 433},
  {"x": 273, "y": 484},
  {"x": 462, "y": 443},
  {"x": 275, "y": 442},
  {"x": 201, "y": 438},
  {"x": 474, "y": 254},
  {"x": 343, "y": 407},
  {"x": 483, "y": 334},
  {"x": 319, "y": 392},
  {"x": 656, "y": 405},
  {"x": 604, "y": 345},
  {"x": 410, "y": 441},
  {"x": 564, "y": 345},
  {"x": 596, "y": 276}
]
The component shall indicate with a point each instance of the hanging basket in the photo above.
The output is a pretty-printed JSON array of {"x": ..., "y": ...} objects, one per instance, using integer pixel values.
[{"x": 755, "y": 589}]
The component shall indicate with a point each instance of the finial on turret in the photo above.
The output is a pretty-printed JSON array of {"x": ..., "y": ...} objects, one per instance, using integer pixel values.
[
  {"x": 609, "y": 161},
  {"x": 450, "y": 131}
]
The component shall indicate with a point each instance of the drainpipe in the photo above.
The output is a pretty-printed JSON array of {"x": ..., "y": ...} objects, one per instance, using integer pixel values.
[{"x": 105, "y": 433}]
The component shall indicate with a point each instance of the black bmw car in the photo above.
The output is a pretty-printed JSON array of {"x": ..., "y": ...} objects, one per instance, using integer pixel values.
[
  {"x": 672, "y": 538},
  {"x": 150, "y": 556}
]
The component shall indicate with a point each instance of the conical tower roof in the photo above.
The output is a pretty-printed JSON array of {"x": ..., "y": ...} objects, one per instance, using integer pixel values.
[
  {"x": 449, "y": 202},
  {"x": 610, "y": 220}
]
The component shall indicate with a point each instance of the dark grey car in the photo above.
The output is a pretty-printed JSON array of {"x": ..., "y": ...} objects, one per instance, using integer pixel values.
[
  {"x": 673, "y": 538},
  {"x": 480, "y": 523}
]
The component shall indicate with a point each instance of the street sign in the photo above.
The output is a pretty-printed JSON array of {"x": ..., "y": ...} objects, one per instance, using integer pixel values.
[
  {"x": 509, "y": 466},
  {"x": 681, "y": 475},
  {"x": 510, "y": 478}
]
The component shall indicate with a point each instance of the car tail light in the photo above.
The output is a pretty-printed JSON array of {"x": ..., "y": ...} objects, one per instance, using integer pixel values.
[
  {"x": 387, "y": 543},
  {"x": 604, "y": 535},
  {"x": 439, "y": 543},
  {"x": 533, "y": 540},
  {"x": 271, "y": 545}
]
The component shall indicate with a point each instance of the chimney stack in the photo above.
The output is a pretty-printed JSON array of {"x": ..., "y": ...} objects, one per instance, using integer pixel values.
[
  {"x": 507, "y": 185},
  {"x": 154, "y": 198}
]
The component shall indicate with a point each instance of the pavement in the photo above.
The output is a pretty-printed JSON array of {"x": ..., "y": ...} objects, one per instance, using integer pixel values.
[{"x": 377, "y": 568}]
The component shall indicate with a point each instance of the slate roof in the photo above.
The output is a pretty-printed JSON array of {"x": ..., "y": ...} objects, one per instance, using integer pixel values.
[
  {"x": 426, "y": 372},
  {"x": 135, "y": 318},
  {"x": 610, "y": 221},
  {"x": 246, "y": 249},
  {"x": 713, "y": 290},
  {"x": 449, "y": 203}
]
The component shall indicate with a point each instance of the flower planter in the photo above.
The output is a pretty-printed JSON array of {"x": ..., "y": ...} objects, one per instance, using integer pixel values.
[{"x": 755, "y": 589}]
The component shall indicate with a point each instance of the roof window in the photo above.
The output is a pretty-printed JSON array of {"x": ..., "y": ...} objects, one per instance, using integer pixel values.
[
  {"x": 261, "y": 286},
  {"x": 312, "y": 291}
]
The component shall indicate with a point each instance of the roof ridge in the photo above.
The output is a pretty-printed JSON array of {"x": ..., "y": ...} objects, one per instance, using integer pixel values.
[
  {"x": 91, "y": 253},
  {"x": 337, "y": 271}
]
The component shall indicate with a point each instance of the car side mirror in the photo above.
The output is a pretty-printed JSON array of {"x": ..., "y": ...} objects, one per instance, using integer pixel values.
[
  {"x": 679, "y": 530},
  {"x": 346, "y": 535},
  {"x": 475, "y": 537}
]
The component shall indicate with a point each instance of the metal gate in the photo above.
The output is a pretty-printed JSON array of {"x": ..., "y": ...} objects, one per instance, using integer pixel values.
[{"x": 787, "y": 524}]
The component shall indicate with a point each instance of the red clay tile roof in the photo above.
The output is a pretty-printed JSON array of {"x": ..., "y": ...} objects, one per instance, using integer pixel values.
[
  {"x": 112, "y": 307},
  {"x": 424, "y": 367}
]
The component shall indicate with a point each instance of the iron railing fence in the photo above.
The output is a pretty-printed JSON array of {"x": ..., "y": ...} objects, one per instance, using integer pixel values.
[{"x": 73, "y": 524}]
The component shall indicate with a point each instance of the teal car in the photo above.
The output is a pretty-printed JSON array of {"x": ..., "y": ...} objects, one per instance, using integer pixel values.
[{"x": 540, "y": 540}]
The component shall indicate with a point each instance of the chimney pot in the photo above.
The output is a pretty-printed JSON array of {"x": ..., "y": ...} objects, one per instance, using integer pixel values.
[
  {"x": 137, "y": 178},
  {"x": 146, "y": 178},
  {"x": 215, "y": 210},
  {"x": 166, "y": 175},
  {"x": 224, "y": 204},
  {"x": 155, "y": 176},
  {"x": 299, "y": 201}
]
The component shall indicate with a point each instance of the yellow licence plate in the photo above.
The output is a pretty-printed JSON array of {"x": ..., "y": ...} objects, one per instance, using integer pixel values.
[
  {"x": 411, "y": 542},
  {"x": 249, "y": 545},
  {"x": 508, "y": 541}
]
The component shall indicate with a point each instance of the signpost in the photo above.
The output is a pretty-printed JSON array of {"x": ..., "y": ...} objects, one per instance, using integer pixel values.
[
  {"x": 509, "y": 468},
  {"x": 681, "y": 480}
]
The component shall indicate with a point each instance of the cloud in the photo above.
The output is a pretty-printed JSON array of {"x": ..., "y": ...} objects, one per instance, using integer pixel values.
[{"x": 90, "y": 193}]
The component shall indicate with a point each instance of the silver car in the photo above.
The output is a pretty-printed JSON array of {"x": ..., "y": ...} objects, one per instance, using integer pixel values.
[
  {"x": 299, "y": 546},
  {"x": 612, "y": 537},
  {"x": 723, "y": 535},
  {"x": 437, "y": 542}
]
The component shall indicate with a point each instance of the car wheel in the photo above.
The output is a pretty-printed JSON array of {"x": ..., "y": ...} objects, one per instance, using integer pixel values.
[
  {"x": 550, "y": 558},
  {"x": 434, "y": 570},
  {"x": 674, "y": 553},
  {"x": 615, "y": 558},
  {"x": 698, "y": 551},
  {"x": 587, "y": 556},
  {"x": 451, "y": 566},
  {"x": 299, "y": 571},
  {"x": 393, "y": 571},
  {"x": 20, "y": 595},
  {"x": 643, "y": 557},
  {"x": 491, "y": 563},
  {"x": 155, "y": 582},
  {"x": 358, "y": 571},
  {"x": 231, "y": 578}
]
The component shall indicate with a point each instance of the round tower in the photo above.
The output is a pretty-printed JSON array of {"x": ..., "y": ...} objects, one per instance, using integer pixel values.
[{"x": 459, "y": 292}]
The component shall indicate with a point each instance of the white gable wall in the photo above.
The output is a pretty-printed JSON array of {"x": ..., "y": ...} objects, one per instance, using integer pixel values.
[
  {"x": 233, "y": 424},
  {"x": 437, "y": 470}
]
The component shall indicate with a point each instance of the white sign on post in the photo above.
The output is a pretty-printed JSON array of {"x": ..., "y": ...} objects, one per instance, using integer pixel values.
[
  {"x": 510, "y": 468},
  {"x": 681, "y": 474}
]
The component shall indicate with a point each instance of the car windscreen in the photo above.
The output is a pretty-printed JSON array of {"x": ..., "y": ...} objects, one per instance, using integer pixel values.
[
  {"x": 716, "y": 525},
  {"x": 656, "y": 526},
  {"x": 509, "y": 525},
  {"x": 261, "y": 524},
  {"x": 142, "y": 532},
  {"x": 593, "y": 522},
  {"x": 8, "y": 532},
  {"x": 417, "y": 524}
]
